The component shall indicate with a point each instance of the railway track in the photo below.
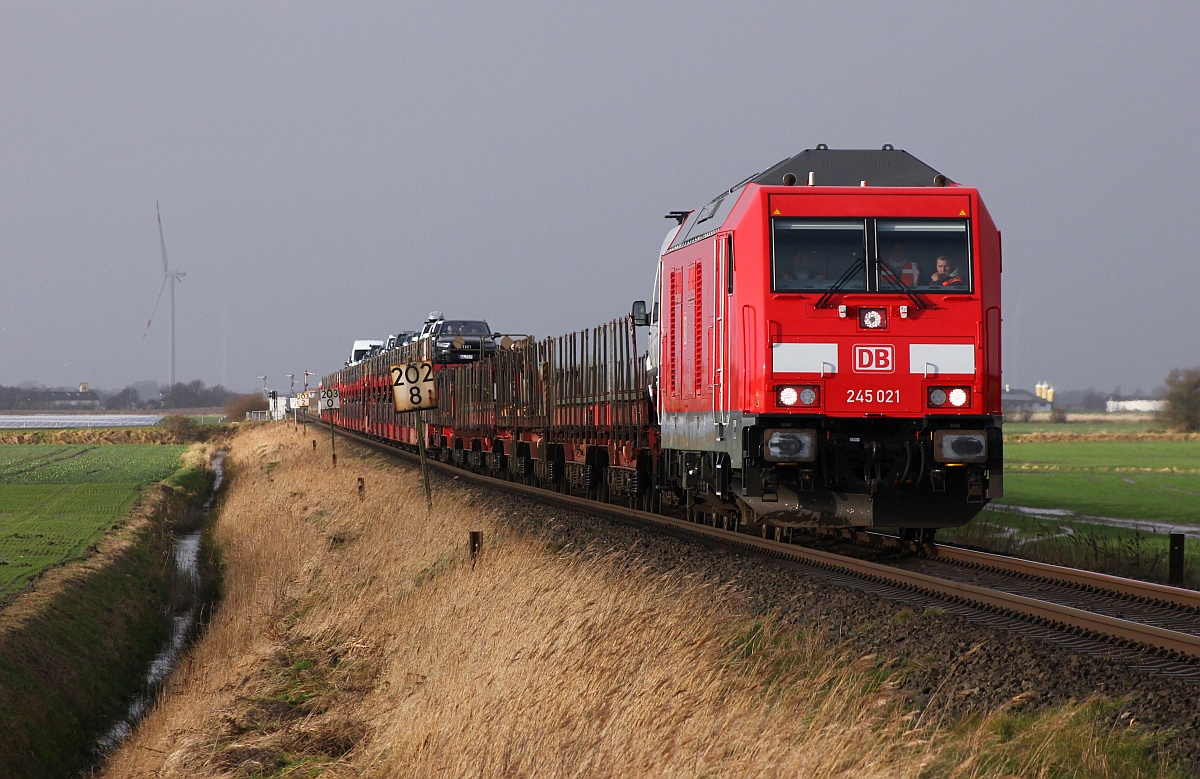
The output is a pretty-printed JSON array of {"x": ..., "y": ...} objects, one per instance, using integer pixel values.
[{"x": 1154, "y": 626}]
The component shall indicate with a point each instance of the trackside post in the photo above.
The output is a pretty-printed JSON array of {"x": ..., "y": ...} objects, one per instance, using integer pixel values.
[
  {"x": 413, "y": 390},
  {"x": 474, "y": 545},
  {"x": 302, "y": 401},
  {"x": 331, "y": 399},
  {"x": 424, "y": 462},
  {"x": 1175, "y": 560}
]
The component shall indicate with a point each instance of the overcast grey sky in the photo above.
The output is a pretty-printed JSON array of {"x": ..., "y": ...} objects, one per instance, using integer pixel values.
[{"x": 333, "y": 171}]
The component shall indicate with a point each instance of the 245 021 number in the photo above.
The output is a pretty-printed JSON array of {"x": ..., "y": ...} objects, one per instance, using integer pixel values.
[{"x": 872, "y": 396}]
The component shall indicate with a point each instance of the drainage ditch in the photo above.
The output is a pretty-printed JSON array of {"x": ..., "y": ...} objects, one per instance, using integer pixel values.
[{"x": 184, "y": 622}]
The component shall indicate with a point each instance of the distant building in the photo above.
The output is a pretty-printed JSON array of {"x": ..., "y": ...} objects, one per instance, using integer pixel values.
[
  {"x": 1135, "y": 405},
  {"x": 1016, "y": 400},
  {"x": 50, "y": 400},
  {"x": 278, "y": 407}
]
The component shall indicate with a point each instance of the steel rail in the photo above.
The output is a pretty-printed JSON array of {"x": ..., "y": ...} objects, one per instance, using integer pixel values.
[
  {"x": 1147, "y": 636},
  {"x": 1117, "y": 585},
  {"x": 1133, "y": 588}
]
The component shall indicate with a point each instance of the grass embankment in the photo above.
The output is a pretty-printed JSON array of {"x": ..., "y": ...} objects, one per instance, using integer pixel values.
[
  {"x": 76, "y": 646},
  {"x": 355, "y": 640}
]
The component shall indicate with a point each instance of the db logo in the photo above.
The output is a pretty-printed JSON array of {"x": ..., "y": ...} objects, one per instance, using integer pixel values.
[{"x": 880, "y": 359}]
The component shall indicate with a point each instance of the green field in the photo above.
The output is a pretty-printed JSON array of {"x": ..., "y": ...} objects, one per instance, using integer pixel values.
[
  {"x": 1152, "y": 480},
  {"x": 56, "y": 501}
]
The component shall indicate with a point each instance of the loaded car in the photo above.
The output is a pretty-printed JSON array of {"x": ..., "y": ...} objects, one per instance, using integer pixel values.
[
  {"x": 361, "y": 350},
  {"x": 399, "y": 339},
  {"x": 461, "y": 340}
]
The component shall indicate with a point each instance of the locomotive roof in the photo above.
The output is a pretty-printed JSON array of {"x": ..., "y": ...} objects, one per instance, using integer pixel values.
[{"x": 886, "y": 167}]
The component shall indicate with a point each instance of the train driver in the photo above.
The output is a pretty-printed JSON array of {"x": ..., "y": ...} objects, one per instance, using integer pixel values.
[
  {"x": 946, "y": 274},
  {"x": 802, "y": 271}
]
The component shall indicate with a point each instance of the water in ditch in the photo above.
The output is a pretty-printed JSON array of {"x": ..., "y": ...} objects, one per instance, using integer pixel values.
[
  {"x": 187, "y": 553},
  {"x": 1149, "y": 526}
]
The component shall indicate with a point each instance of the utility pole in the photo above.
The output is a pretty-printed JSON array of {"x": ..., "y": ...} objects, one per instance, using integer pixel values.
[
  {"x": 305, "y": 425},
  {"x": 291, "y": 397}
]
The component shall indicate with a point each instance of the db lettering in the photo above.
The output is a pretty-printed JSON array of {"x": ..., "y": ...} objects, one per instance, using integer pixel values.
[{"x": 874, "y": 358}]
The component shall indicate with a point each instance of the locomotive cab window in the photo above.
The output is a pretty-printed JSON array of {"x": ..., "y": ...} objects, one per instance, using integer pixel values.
[
  {"x": 923, "y": 254},
  {"x": 810, "y": 255}
]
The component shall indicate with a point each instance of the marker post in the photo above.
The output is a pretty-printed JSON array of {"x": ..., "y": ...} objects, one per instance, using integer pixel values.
[
  {"x": 424, "y": 462},
  {"x": 413, "y": 390},
  {"x": 331, "y": 399}
]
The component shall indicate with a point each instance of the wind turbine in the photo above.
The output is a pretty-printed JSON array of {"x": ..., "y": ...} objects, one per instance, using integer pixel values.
[{"x": 168, "y": 275}]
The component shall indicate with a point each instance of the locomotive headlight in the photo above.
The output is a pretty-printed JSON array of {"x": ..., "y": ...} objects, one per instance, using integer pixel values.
[
  {"x": 960, "y": 446},
  {"x": 789, "y": 396},
  {"x": 872, "y": 318},
  {"x": 958, "y": 397},
  {"x": 790, "y": 446}
]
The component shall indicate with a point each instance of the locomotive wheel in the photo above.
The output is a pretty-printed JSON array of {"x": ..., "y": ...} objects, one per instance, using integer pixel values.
[{"x": 913, "y": 537}]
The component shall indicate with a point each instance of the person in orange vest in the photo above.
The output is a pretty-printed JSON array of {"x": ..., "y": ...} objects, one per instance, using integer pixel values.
[
  {"x": 908, "y": 271},
  {"x": 947, "y": 274}
]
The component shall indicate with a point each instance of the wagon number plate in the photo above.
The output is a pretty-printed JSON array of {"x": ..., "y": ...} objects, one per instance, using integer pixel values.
[{"x": 873, "y": 396}]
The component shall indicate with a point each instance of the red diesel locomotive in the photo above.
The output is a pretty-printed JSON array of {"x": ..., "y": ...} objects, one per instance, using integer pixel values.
[
  {"x": 823, "y": 350},
  {"x": 828, "y": 345}
]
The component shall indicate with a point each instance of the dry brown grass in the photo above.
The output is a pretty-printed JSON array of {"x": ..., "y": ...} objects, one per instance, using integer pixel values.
[
  {"x": 116, "y": 435},
  {"x": 1046, "y": 436},
  {"x": 354, "y": 640}
]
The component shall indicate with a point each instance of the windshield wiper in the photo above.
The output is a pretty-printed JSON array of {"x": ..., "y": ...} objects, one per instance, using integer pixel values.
[
  {"x": 899, "y": 284},
  {"x": 843, "y": 280}
]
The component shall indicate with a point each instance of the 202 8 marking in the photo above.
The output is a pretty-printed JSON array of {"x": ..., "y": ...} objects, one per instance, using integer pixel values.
[{"x": 413, "y": 386}]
